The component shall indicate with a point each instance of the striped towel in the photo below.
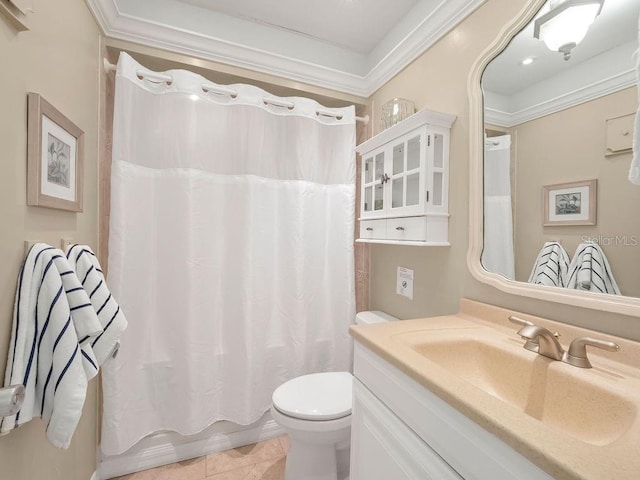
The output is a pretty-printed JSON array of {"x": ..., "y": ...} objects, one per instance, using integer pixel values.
[
  {"x": 51, "y": 310},
  {"x": 590, "y": 270},
  {"x": 551, "y": 266},
  {"x": 86, "y": 265}
]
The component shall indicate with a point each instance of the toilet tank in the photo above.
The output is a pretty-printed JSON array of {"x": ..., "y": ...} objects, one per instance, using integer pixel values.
[{"x": 376, "y": 316}]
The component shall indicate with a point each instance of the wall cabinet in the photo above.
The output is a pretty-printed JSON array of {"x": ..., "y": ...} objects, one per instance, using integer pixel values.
[
  {"x": 619, "y": 134},
  {"x": 405, "y": 182},
  {"x": 401, "y": 430}
]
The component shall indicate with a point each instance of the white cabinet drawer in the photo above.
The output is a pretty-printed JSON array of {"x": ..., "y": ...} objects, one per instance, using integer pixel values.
[
  {"x": 373, "y": 228},
  {"x": 407, "y": 228}
]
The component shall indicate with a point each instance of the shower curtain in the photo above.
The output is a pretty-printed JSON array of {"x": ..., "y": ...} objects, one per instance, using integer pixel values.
[
  {"x": 498, "y": 255},
  {"x": 230, "y": 250}
]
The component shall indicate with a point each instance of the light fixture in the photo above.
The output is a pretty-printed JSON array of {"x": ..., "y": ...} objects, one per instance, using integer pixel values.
[{"x": 566, "y": 23}]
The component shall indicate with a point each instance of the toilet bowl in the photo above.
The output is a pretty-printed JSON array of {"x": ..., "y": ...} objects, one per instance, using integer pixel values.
[{"x": 315, "y": 410}]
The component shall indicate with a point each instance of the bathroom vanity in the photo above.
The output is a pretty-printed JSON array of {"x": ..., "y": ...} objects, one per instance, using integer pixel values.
[{"x": 459, "y": 397}]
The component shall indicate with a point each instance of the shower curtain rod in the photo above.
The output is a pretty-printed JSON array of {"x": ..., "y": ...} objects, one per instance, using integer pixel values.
[{"x": 207, "y": 87}]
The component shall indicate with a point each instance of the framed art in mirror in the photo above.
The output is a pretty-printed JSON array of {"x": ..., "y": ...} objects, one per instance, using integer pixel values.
[
  {"x": 54, "y": 158},
  {"x": 568, "y": 204}
]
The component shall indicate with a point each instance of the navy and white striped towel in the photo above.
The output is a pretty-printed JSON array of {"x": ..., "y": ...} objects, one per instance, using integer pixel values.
[
  {"x": 551, "y": 266},
  {"x": 51, "y": 310},
  {"x": 590, "y": 270},
  {"x": 86, "y": 265}
]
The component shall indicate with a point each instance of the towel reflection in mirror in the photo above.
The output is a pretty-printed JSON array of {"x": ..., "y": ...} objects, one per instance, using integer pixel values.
[{"x": 589, "y": 270}]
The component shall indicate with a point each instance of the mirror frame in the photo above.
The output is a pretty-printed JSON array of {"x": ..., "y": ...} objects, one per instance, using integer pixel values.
[{"x": 591, "y": 300}]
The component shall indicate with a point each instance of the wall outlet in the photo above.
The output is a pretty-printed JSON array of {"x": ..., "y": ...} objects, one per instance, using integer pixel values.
[{"x": 404, "y": 282}]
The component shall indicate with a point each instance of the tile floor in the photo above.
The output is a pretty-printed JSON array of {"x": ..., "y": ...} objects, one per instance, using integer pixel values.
[{"x": 260, "y": 461}]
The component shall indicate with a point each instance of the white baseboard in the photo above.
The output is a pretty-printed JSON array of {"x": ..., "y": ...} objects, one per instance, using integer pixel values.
[{"x": 169, "y": 448}]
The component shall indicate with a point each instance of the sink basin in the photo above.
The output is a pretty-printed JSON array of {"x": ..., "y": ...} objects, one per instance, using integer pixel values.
[{"x": 588, "y": 404}]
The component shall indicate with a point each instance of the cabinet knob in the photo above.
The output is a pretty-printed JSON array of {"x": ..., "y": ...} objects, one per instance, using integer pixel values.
[
  {"x": 384, "y": 178},
  {"x": 369, "y": 229},
  {"x": 400, "y": 228}
]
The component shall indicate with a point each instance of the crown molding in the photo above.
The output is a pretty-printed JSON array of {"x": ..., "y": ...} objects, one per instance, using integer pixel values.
[
  {"x": 119, "y": 25},
  {"x": 441, "y": 21},
  {"x": 581, "y": 95}
]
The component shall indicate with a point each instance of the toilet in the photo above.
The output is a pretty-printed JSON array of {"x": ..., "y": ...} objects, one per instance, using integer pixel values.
[{"x": 315, "y": 410}]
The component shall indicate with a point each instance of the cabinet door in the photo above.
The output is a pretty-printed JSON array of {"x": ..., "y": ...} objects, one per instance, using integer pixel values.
[
  {"x": 406, "y": 183},
  {"x": 373, "y": 198},
  {"x": 437, "y": 170},
  {"x": 384, "y": 448}
]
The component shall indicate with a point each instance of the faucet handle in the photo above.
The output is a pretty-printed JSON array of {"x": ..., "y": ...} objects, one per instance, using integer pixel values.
[
  {"x": 520, "y": 321},
  {"x": 531, "y": 344},
  {"x": 577, "y": 353}
]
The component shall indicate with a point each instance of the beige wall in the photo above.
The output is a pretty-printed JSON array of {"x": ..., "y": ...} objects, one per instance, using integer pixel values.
[
  {"x": 438, "y": 80},
  {"x": 569, "y": 146},
  {"x": 57, "y": 58}
]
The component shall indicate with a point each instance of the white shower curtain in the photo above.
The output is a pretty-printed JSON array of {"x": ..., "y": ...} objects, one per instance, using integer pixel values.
[
  {"x": 230, "y": 250},
  {"x": 498, "y": 255}
]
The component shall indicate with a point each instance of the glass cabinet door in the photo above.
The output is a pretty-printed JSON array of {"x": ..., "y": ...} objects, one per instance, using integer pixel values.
[
  {"x": 367, "y": 188},
  {"x": 372, "y": 186},
  {"x": 378, "y": 201},
  {"x": 437, "y": 198},
  {"x": 405, "y": 178}
]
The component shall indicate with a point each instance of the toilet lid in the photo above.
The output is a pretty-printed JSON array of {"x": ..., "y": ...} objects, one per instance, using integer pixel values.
[{"x": 319, "y": 396}]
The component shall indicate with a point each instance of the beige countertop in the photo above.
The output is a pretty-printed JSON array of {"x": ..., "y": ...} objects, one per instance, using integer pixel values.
[{"x": 582, "y": 451}]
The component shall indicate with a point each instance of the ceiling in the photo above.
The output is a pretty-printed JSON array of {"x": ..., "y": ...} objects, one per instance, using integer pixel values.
[
  {"x": 600, "y": 64},
  {"x": 357, "y": 25},
  {"x": 352, "y": 46}
]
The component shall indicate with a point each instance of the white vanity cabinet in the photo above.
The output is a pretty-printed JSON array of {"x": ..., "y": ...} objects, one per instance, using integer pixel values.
[
  {"x": 405, "y": 182},
  {"x": 402, "y": 431},
  {"x": 383, "y": 447}
]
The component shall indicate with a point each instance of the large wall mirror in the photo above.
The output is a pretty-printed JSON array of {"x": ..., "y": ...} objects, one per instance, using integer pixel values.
[{"x": 553, "y": 108}]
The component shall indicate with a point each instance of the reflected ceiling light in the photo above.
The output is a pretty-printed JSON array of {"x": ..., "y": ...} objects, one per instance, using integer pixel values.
[
  {"x": 566, "y": 24},
  {"x": 527, "y": 61}
]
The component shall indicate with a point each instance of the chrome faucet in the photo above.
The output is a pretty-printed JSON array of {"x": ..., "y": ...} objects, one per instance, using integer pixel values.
[{"x": 548, "y": 344}]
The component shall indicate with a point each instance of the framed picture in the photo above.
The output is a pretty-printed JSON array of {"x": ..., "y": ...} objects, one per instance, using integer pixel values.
[
  {"x": 570, "y": 203},
  {"x": 54, "y": 157}
]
